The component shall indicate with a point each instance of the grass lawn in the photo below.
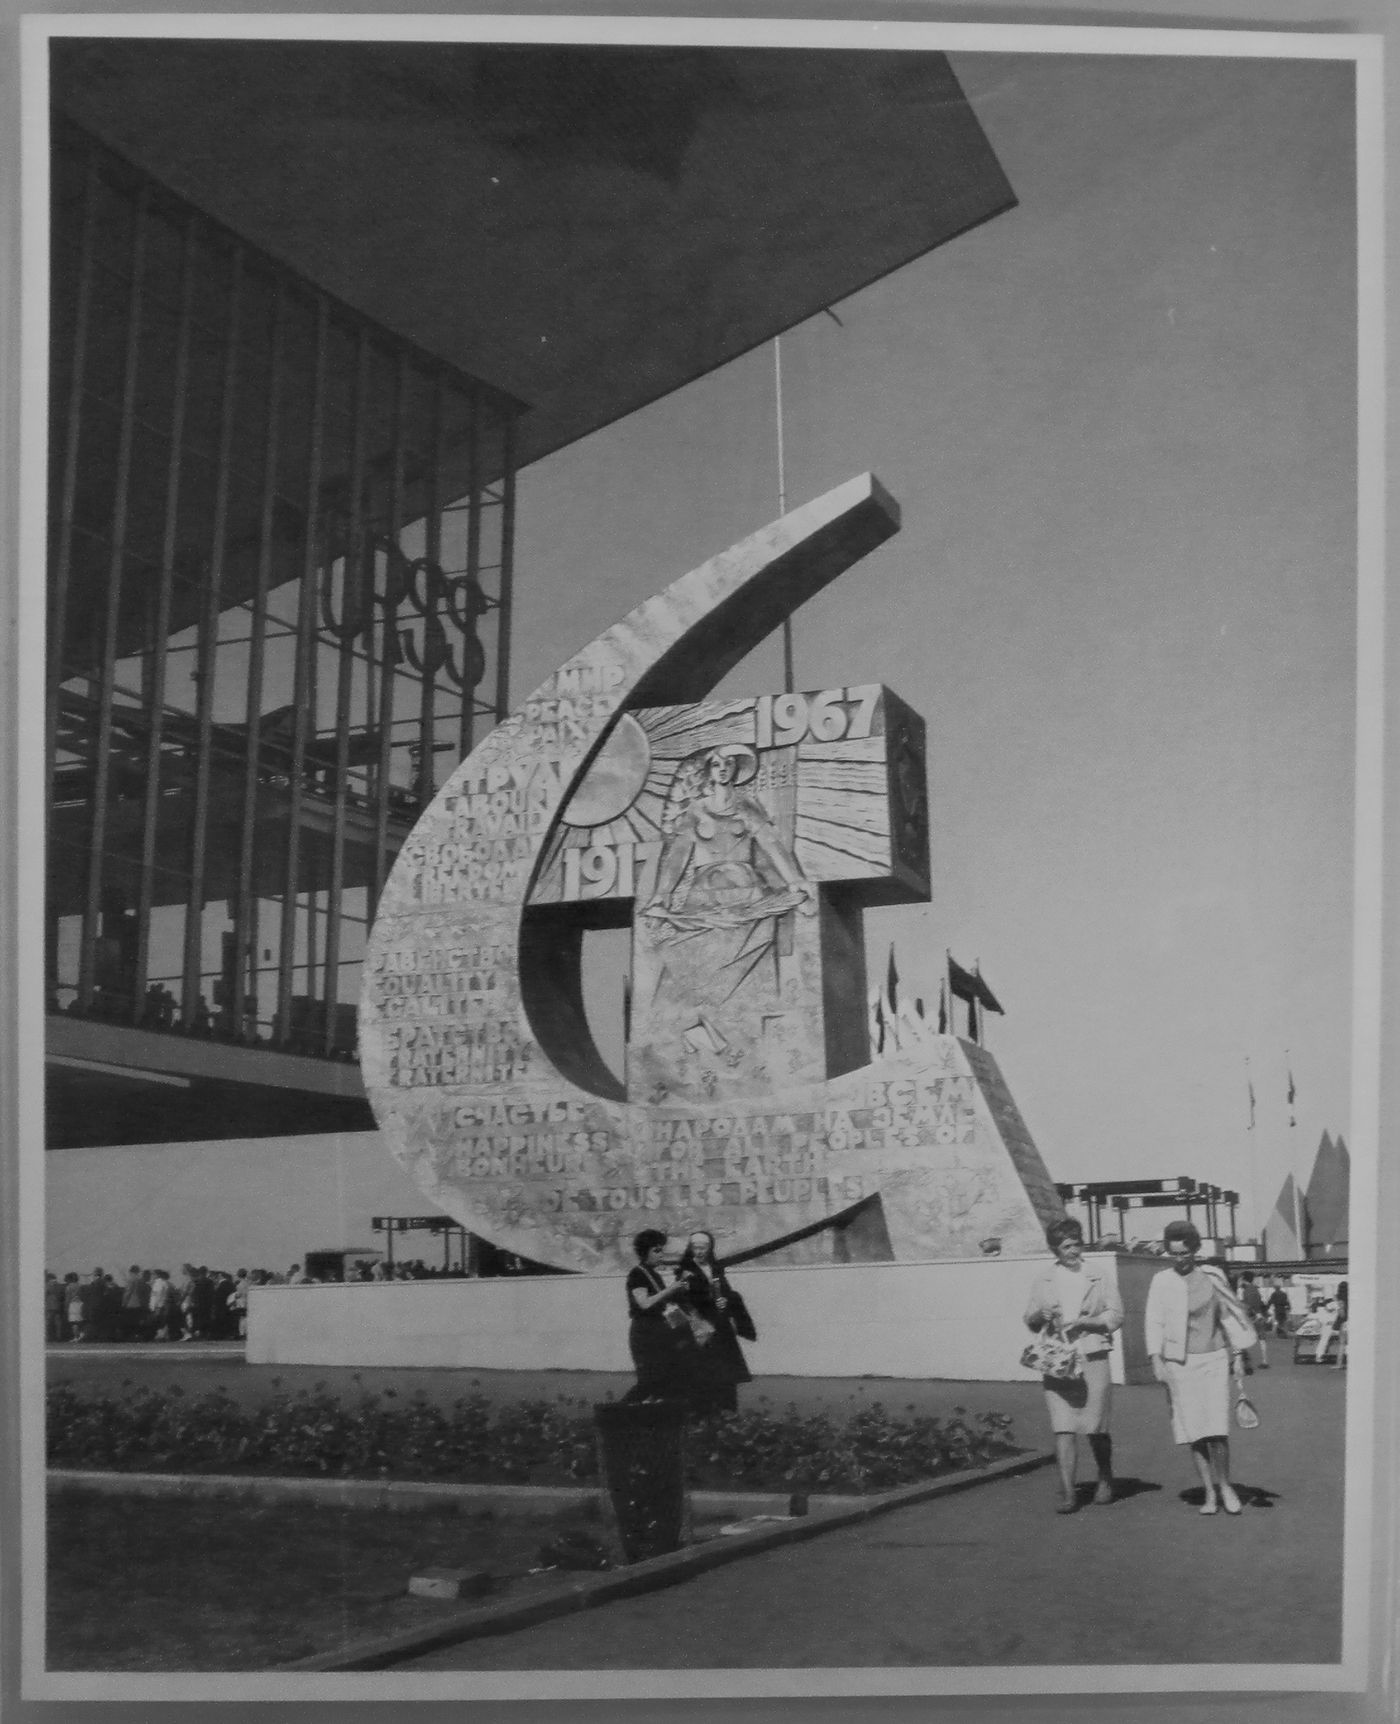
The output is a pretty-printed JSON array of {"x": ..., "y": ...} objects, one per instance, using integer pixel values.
[{"x": 168, "y": 1584}]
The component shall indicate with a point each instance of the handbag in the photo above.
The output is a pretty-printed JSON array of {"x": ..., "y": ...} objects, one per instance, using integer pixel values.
[
  {"x": 702, "y": 1330},
  {"x": 1051, "y": 1355},
  {"x": 1240, "y": 1333}
]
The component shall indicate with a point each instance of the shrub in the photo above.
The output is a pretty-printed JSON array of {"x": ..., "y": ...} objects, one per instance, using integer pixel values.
[{"x": 314, "y": 1433}]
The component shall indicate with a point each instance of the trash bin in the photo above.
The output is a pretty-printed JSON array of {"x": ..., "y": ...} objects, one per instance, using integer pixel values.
[{"x": 641, "y": 1456}]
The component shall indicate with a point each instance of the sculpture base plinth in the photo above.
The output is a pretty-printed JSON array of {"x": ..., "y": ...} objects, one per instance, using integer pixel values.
[{"x": 959, "y": 1320}]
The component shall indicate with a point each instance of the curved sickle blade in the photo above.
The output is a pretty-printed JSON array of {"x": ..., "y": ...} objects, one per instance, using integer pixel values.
[
  {"x": 449, "y": 1052},
  {"x": 477, "y": 1054}
]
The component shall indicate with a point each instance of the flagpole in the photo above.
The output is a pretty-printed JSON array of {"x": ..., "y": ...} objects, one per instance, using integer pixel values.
[
  {"x": 1298, "y": 1204},
  {"x": 1253, "y": 1160},
  {"x": 948, "y": 983},
  {"x": 981, "y": 1005}
]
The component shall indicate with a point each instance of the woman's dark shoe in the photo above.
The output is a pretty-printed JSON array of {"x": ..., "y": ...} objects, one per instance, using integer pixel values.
[{"x": 1067, "y": 1504}]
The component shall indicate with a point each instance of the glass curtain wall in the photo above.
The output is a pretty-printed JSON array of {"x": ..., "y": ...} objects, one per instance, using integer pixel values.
[{"x": 279, "y": 612}]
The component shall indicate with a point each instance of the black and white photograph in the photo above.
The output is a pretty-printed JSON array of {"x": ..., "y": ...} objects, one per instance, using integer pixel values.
[{"x": 699, "y": 850}]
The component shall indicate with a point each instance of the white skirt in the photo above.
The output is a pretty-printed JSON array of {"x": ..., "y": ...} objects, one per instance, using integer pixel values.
[{"x": 1200, "y": 1396}]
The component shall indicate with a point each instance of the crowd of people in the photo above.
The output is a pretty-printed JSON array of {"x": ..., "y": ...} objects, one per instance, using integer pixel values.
[
  {"x": 198, "y": 1304},
  {"x": 201, "y": 1304},
  {"x": 1200, "y": 1329}
]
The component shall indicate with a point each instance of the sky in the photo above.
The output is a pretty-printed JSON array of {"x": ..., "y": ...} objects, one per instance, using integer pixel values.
[{"x": 1120, "y": 421}]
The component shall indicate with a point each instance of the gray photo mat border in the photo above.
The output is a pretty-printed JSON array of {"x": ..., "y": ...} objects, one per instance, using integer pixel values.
[{"x": 1372, "y": 1434}]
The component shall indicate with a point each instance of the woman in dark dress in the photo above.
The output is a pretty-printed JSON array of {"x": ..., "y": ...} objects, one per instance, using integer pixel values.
[
  {"x": 718, "y": 1365},
  {"x": 659, "y": 1352}
]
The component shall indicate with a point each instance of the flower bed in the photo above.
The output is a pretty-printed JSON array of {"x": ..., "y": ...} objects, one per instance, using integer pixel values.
[{"x": 314, "y": 1433}]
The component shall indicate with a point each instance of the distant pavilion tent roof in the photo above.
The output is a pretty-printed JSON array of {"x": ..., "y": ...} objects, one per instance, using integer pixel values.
[
  {"x": 1281, "y": 1241},
  {"x": 1328, "y": 1198}
]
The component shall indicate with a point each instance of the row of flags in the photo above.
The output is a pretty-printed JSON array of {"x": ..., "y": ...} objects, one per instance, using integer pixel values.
[{"x": 899, "y": 1024}]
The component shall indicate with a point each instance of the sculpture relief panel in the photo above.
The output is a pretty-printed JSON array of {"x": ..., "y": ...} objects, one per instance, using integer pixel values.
[{"x": 720, "y": 823}]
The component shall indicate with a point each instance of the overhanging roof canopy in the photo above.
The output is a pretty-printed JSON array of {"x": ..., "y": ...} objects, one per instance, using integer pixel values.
[{"x": 585, "y": 228}]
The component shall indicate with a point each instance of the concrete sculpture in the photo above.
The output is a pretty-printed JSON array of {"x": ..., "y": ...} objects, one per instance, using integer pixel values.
[{"x": 740, "y": 839}]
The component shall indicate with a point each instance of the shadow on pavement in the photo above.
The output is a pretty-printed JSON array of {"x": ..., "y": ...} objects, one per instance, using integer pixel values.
[
  {"x": 1252, "y": 1496},
  {"x": 1124, "y": 1489}
]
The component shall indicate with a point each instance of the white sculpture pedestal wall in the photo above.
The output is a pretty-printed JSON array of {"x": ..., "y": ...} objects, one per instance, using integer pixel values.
[{"x": 955, "y": 1320}]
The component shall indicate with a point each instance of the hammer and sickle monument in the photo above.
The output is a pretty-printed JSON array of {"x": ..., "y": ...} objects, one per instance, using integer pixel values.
[{"x": 740, "y": 840}]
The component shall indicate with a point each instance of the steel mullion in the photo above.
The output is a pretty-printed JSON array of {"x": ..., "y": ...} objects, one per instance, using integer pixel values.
[
  {"x": 379, "y": 865},
  {"x": 121, "y": 487},
  {"x": 432, "y": 547},
  {"x": 503, "y": 615},
  {"x": 244, "y": 932},
  {"x": 473, "y": 570},
  {"x": 160, "y": 644},
  {"x": 204, "y": 698},
  {"x": 301, "y": 685},
  {"x": 354, "y": 550},
  {"x": 367, "y": 588},
  {"x": 68, "y": 489}
]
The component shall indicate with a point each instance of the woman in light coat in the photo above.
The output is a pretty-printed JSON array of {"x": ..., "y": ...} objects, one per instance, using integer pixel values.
[
  {"x": 1194, "y": 1328},
  {"x": 1082, "y": 1306}
]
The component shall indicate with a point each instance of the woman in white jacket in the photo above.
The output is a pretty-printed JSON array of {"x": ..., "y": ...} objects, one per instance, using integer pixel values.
[{"x": 1194, "y": 1326}]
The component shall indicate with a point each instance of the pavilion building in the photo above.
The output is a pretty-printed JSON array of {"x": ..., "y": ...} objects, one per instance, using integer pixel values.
[{"x": 314, "y": 307}]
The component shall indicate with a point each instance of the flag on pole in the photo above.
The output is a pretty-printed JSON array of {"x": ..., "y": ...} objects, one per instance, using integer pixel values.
[
  {"x": 892, "y": 984},
  {"x": 1292, "y": 1091},
  {"x": 943, "y": 1008},
  {"x": 968, "y": 985},
  {"x": 985, "y": 997},
  {"x": 1249, "y": 1080}
]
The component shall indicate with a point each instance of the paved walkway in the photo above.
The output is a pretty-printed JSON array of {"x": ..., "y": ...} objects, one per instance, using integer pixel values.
[{"x": 993, "y": 1576}]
